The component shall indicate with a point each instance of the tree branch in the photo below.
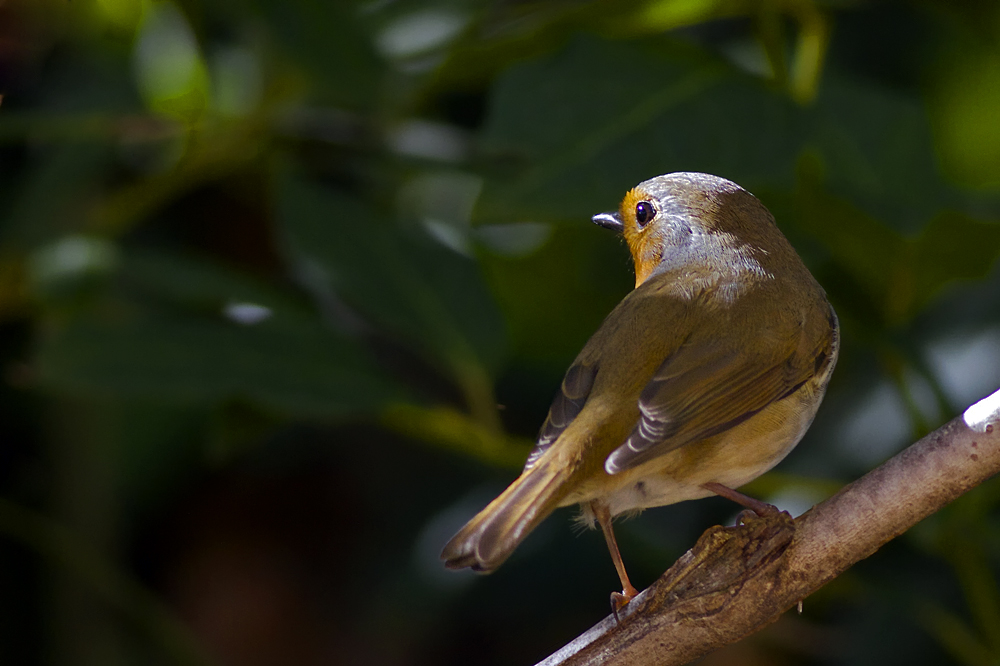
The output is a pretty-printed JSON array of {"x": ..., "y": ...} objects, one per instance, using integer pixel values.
[{"x": 736, "y": 580}]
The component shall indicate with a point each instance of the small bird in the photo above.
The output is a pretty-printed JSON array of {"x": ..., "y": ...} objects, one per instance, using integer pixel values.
[{"x": 702, "y": 378}]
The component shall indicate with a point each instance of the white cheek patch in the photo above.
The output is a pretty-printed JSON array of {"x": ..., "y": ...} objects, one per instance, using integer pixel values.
[{"x": 984, "y": 414}]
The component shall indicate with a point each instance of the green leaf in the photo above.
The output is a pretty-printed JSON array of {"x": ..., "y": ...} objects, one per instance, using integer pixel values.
[
  {"x": 293, "y": 370},
  {"x": 47, "y": 204},
  {"x": 327, "y": 40},
  {"x": 581, "y": 126},
  {"x": 965, "y": 86},
  {"x": 202, "y": 285},
  {"x": 877, "y": 151},
  {"x": 900, "y": 274},
  {"x": 450, "y": 429},
  {"x": 402, "y": 281},
  {"x": 554, "y": 299},
  {"x": 586, "y": 124},
  {"x": 952, "y": 247},
  {"x": 289, "y": 362},
  {"x": 397, "y": 276}
]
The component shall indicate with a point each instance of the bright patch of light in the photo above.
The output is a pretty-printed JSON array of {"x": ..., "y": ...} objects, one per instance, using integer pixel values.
[
  {"x": 876, "y": 430},
  {"x": 514, "y": 240},
  {"x": 247, "y": 314},
  {"x": 419, "y": 32},
  {"x": 749, "y": 56},
  {"x": 968, "y": 366},
  {"x": 796, "y": 500},
  {"x": 449, "y": 235},
  {"x": 435, "y": 141},
  {"x": 72, "y": 256},
  {"x": 984, "y": 413},
  {"x": 443, "y": 201},
  {"x": 167, "y": 63}
]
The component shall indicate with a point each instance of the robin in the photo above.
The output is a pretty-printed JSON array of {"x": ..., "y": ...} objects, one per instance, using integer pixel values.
[{"x": 702, "y": 378}]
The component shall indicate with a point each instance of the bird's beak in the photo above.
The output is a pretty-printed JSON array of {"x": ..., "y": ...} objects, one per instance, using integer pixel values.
[{"x": 611, "y": 221}]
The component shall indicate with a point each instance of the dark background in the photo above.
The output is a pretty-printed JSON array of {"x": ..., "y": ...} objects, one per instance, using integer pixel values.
[{"x": 286, "y": 288}]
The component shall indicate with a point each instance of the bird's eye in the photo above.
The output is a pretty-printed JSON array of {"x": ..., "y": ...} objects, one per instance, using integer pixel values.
[{"x": 644, "y": 212}]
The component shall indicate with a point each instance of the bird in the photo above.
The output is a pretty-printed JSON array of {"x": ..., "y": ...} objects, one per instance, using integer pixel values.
[{"x": 701, "y": 379}]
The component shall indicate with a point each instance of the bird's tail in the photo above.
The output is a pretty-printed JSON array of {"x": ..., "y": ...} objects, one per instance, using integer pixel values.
[{"x": 489, "y": 538}]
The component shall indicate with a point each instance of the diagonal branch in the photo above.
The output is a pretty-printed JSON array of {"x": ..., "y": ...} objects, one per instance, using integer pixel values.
[{"x": 737, "y": 580}]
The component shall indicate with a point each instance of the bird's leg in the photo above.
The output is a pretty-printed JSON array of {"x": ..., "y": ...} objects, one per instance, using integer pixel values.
[
  {"x": 760, "y": 508},
  {"x": 618, "y": 599}
]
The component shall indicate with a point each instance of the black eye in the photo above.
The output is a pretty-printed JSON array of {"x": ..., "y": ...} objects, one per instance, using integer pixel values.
[{"x": 644, "y": 212}]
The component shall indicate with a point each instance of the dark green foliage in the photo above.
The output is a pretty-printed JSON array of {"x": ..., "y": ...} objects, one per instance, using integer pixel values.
[{"x": 268, "y": 269}]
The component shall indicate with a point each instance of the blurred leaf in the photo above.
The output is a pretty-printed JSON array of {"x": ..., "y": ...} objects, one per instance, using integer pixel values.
[
  {"x": 775, "y": 482},
  {"x": 14, "y": 292},
  {"x": 292, "y": 366},
  {"x": 638, "y": 110},
  {"x": 156, "y": 446},
  {"x": 671, "y": 14},
  {"x": 48, "y": 203},
  {"x": 812, "y": 42},
  {"x": 952, "y": 247},
  {"x": 955, "y": 635},
  {"x": 554, "y": 299},
  {"x": 877, "y": 152},
  {"x": 327, "y": 40},
  {"x": 207, "y": 156},
  {"x": 171, "y": 73},
  {"x": 966, "y": 93},
  {"x": 644, "y": 108},
  {"x": 899, "y": 274},
  {"x": 519, "y": 32},
  {"x": 866, "y": 249},
  {"x": 202, "y": 285},
  {"x": 406, "y": 283},
  {"x": 451, "y": 429},
  {"x": 514, "y": 32},
  {"x": 972, "y": 565}
]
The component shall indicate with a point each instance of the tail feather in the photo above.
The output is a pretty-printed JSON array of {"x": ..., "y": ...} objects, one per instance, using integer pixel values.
[{"x": 489, "y": 538}]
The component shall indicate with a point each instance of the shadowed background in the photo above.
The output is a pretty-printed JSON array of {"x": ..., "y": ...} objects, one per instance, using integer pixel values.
[{"x": 286, "y": 289}]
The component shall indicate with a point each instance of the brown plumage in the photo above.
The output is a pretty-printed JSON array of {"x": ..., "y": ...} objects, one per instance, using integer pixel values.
[{"x": 707, "y": 374}]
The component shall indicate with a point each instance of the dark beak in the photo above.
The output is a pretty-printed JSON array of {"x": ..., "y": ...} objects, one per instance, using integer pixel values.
[{"x": 611, "y": 221}]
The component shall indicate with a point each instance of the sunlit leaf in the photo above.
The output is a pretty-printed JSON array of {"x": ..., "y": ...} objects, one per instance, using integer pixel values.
[{"x": 967, "y": 87}]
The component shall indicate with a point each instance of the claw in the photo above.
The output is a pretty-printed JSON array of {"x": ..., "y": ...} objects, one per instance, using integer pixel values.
[{"x": 620, "y": 599}]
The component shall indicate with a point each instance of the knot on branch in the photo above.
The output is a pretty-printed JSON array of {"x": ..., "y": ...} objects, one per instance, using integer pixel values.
[{"x": 706, "y": 578}]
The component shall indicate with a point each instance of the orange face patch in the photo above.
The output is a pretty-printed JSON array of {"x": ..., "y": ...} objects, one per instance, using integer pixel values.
[{"x": 644, "y": 244}]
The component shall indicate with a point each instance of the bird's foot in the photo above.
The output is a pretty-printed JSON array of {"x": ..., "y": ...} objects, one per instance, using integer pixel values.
[
  {"x": 620, "y": 599},
  {"x": 762, "y": 509}
]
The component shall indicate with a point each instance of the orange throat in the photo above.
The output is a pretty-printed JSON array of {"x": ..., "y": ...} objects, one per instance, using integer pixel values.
[{"x": 642, "y": 243}]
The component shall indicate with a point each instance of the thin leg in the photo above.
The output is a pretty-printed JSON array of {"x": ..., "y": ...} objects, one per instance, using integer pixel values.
[
  {"x": 618, "y": 599},
  {"x": 760, "y": 508}
]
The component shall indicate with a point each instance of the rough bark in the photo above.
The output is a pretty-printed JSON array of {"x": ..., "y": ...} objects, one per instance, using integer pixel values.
[{"x": 737, "y": 580}]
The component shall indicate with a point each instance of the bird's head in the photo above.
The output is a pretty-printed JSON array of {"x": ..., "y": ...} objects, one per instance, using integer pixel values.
[{"x": 684, "y": 219}]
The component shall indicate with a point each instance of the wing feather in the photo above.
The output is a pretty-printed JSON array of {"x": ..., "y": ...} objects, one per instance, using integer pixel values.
[
  {"x": 568, "y": 403},
  {"x": 701, "y": 390}
]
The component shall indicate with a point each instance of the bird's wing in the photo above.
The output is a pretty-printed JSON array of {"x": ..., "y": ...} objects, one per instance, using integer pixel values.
[
  {"x": 568, "y": 402},
  {"x": 703, "y": 389}
]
